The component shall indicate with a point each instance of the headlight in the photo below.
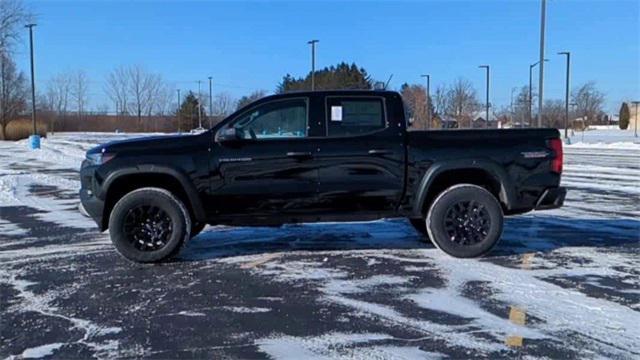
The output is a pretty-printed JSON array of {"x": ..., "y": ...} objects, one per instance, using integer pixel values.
[{"x": 99, "y": 158}]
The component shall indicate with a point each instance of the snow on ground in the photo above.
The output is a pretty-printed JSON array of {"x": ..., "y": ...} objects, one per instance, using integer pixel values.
[
  {"x": 610, "y": 138},
  {"x": 562, "y": 283}
]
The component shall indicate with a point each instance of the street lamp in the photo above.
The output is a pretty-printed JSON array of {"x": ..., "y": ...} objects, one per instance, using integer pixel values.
[
  {"x": 313, "y": 63},
  {"x": 199, "y": 106},
  {"x": 210, "y": 102},
  {"x": 543, "y": 10},
  {"x": 636, "y": 103},
  {"x": 428, "y": 109},
  {"x": 487, "y": 99},
  {"x": 35, "y": 139},
  {"x": 531, "y": 91},
  {"x": 178, "y": 112},
  {"x": 566, "y": 94}
]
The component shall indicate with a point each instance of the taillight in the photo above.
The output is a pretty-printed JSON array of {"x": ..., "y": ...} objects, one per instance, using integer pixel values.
[{"x": 556, "y": 146}]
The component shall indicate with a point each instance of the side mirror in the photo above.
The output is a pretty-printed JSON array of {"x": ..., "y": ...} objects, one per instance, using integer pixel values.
[{"x": 227, "y": 135}]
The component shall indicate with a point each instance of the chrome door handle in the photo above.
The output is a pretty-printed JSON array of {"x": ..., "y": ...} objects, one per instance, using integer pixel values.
[
  {"x": 379, "y": 152},
  {"x": 299, "y": 154}
]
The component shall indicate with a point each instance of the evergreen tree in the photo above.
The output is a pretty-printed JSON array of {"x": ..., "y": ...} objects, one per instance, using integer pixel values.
[
  {"x": 188, "y": 115},
  {"x": 340, "y": 77},
  {"x": 248, "y": 99},
  {"x": 625, "y": 116}
]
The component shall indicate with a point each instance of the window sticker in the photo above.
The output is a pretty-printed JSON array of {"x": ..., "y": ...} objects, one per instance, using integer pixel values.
[{"x": 336, "y": 113}]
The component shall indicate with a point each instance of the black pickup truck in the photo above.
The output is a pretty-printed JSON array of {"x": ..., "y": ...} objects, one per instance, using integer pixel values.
[{"x": 320, "y": 156}]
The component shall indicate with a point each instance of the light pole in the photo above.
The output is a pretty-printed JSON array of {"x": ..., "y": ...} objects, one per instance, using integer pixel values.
[
  {"x": 531, "y": 90},
  {"x": 35, "y": 142},
  {"x": 178, "y": 113},
  {"x": 487, "y": 99},
  {"x": 566, "y": 95},
  {"x": 313, "y": 63},
  {"x": 428, "y": 108},
  {"x": 543, "y": 11},
  {"x": 636, "y": 103},
  {"x": 199, "y": 106},
  {"x": 511, "y": 107},
  {"x": 210, "y": 101}
]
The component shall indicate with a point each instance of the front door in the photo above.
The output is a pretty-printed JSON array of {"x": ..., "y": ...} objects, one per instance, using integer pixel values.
[{"x": 270, "y": 172}]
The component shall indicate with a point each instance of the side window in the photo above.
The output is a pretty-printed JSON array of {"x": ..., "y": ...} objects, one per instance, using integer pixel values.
[
  {"x": 277, "y": 119},
  {"x": 354, "y": 116}
]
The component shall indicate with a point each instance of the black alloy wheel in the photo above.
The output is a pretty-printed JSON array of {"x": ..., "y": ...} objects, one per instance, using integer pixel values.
[
  {"x": 465, "y": 221},
  {"x": 148, "y": 228},
  {"x": 149, "y": 225}
]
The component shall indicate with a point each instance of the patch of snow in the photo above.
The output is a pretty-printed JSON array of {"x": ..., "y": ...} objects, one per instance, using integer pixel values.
[
  {"x": 326, "y": 346},
  {"x": 247, "y": 310},
  {"x": 41, "y": 351}
]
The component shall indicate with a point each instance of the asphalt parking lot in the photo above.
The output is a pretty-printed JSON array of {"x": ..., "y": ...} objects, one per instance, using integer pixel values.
[{"x": 562, "y": 283}]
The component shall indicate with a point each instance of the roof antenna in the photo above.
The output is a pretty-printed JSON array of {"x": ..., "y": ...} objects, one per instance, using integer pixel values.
[{"x": 388, "y": 81}]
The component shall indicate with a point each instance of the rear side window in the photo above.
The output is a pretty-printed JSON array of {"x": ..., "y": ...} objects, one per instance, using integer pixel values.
[{"x": 354, "y": 116}]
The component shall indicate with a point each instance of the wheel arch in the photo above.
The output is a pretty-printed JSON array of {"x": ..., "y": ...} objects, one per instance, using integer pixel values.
[
  {"x": 123, "y": 181},
  {"x": 485, "y": 173}
]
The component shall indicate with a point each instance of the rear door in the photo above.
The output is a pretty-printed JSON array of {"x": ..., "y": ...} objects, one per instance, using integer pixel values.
[{"x": 361, "y": 156}]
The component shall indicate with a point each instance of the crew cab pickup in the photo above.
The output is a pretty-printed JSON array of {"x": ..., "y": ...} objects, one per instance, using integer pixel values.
[{"x": 320, "y": 156}]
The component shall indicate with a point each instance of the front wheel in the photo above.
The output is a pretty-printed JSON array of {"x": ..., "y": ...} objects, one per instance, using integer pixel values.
[
  {"x": 465, "y": 221},
  {"x": 149, "y": 225}
]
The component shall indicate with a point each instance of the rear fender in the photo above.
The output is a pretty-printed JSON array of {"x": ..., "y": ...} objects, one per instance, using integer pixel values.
[{"x": 507, "y": 194}]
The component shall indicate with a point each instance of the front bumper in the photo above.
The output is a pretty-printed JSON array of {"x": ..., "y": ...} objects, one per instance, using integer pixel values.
[
  {"x": 551, "y": 198},
  {"x": 90, "y": 204}
]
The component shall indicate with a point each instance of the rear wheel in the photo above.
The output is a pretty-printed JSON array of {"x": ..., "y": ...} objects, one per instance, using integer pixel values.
[
  {"x": 149, "y": 225},
  {"x": 465, "y": 221}
]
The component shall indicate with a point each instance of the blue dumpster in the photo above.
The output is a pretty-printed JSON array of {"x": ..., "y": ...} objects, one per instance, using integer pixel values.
[{"x": 34, "y": 142}]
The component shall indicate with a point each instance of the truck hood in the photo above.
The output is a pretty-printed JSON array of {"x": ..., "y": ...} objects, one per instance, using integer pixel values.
[{"x": 150, "y": 143}]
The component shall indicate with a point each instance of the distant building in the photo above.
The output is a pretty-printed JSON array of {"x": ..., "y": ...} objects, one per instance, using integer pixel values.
[
  {"x": 448, "y": 122},
  {"x": 479, "y": 120},
  {"x": 633, "y": 119}
]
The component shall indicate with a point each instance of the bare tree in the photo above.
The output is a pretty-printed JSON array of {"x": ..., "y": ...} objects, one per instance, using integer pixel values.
[
  {"x": 521, "y": 108},
  {"x": 13, "y": 92},
  {"x": 134, "y": 90},
  {"x": 440, "y": 100},
  {"x": 223, "y": 104},
  {"x": 415, "y": 99},
  {"x": 163, "y": 99},
  {"x": 553, "y": 113},
  {"x": 80, "y": 91},
  {"x": 588, "y": 101},
  {"x": 13, "y": 16},
  {"x": 117, "y": 89},
  {"x": 58, "y": 94},
  {"x": 462, "y": 101}
]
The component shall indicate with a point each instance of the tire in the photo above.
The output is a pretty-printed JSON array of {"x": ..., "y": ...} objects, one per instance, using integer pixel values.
[
  {"x": 196, "y": 228},
  {"x": 167, "y": 225},
  {"x": 465, "y": 221}
]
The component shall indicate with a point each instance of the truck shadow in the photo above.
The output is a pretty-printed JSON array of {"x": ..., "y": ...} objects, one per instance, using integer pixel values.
[{"x": 523, "y": 234}]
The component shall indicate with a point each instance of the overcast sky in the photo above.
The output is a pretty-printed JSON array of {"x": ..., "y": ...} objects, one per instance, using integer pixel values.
[{"x": 251, "y": 45}]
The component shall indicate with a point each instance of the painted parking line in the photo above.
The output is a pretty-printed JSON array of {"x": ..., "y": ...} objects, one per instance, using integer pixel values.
[{"x": 261, "y": 260}]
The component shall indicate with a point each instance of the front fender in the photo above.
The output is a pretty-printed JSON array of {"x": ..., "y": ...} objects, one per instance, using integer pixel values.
[
  {"x": 184, "y": 180},
  {"x": 507, "y": 192}
]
